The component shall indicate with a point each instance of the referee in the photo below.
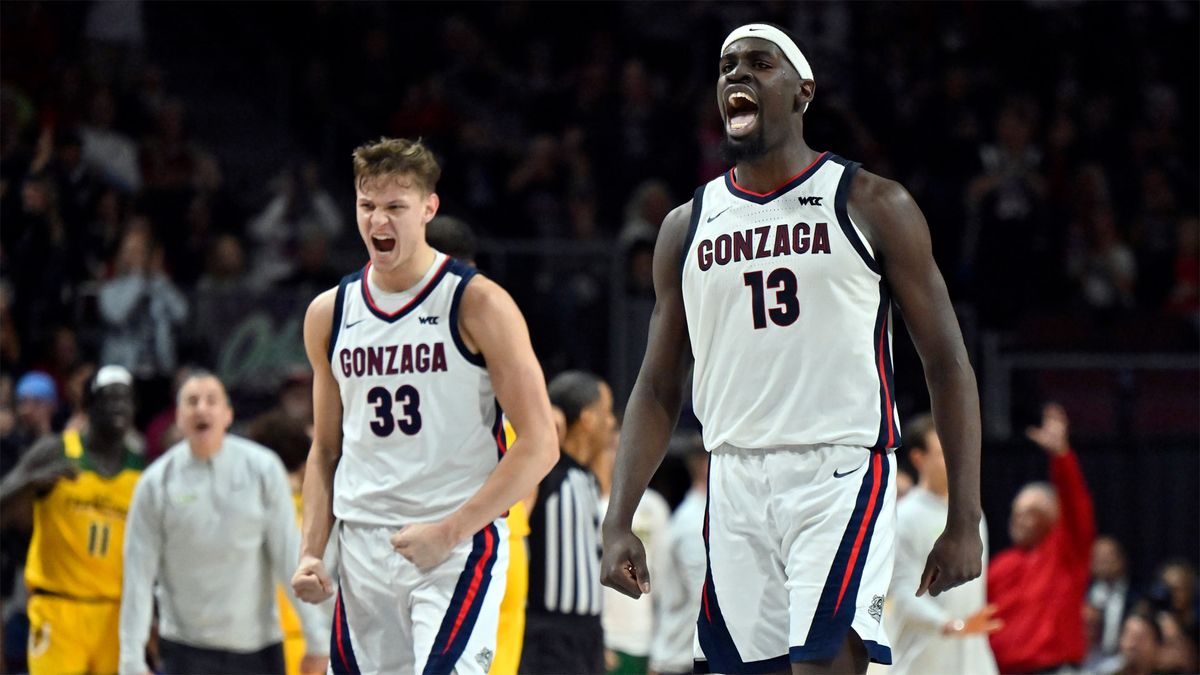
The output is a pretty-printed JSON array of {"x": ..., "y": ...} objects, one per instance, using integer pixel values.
[{"x": 562, "y": 629}]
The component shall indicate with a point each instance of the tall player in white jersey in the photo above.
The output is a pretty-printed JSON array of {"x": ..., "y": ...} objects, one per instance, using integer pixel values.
[
  {"x": 777, "y": 280},
  {"x": 414, "y": 356}
]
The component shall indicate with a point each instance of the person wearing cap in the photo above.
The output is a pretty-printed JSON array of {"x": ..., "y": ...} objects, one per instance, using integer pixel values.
[
  {"x": 37, "y": 399},
  {"x": 774, "y": 287},
  {"x": 74, "y": 490},
  {"x": 212, "y": 530}
]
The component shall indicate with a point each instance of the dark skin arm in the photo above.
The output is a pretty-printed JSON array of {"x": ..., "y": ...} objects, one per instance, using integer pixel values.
[
  {"x": 899, "y": 235},
  {"x": 651, "y": 414},
  {"x": 35, "y": 473}
]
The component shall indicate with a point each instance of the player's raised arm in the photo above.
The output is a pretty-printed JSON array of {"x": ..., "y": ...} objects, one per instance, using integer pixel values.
[
  {"x": 652, "y": 411},
  {"x": 311, "y": 581},
  {"x": 897, "y": 229}
]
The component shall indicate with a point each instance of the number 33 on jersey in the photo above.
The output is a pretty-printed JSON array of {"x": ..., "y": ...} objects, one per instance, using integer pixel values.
[
  {"x": 787, "y": 311},
  {"x": 387, "y": 364}
]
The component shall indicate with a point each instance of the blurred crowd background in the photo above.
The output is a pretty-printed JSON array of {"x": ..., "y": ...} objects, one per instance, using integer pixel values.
[{"x": 175, "y": 186}]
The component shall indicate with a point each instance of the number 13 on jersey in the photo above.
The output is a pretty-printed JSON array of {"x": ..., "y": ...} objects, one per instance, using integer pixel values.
[{"x": 787, "y": 306}]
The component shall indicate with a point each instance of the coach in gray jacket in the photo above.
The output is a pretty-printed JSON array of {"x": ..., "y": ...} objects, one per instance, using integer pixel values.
[{"x": 210, "y": 532}]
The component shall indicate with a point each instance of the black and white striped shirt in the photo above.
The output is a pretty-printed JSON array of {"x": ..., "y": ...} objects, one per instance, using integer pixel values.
[{"x": 564, "y": 543}]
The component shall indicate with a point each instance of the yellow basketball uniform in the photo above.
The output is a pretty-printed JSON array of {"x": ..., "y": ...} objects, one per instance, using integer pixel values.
[
  {"x": 511, "y": 634},
  {"x": 74, "y": 566}
]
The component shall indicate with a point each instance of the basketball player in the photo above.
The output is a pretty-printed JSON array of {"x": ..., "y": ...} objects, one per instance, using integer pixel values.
[
  {"x": 413, "y": 357},
  {"x": 80, "y": 487},
  {"x": 777, "y": 278}
]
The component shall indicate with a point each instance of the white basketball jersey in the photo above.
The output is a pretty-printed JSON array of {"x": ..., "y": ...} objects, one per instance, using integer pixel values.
[
  {"x": 421, "y": 427},
  {"x": 789, "y": 316}
]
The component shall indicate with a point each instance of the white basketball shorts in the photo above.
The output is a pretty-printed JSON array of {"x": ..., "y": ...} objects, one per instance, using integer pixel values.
[
  {"x": 800, "y": 544},
  {"x": 392, "y": 618}
]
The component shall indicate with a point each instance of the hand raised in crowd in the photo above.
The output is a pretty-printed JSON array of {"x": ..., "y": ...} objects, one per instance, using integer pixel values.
[
  {"x": 311, "y": 582},
  {"x": 1052, "y": 434}
]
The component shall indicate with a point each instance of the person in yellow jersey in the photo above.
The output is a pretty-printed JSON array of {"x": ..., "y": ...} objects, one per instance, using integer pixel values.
[{"x": 80, "y": 487}]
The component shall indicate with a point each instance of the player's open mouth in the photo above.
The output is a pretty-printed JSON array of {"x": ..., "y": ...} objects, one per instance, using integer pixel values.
[
  {"x": 202, "y": 427},
  {"x": 383, "y": 243},
  {"x": 741, "y": 112}
]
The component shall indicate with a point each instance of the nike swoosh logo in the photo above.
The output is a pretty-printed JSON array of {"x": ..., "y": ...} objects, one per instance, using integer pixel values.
[
  {"x": 712, "y": 218},
  {"x": 352, "y": 325},
  {"x": 837, "y": 474}
]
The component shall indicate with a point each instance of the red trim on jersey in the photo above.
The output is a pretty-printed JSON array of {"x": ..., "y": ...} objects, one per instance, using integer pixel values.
[
  {"x": 887, "y": 394},
  {"x": 733, "y": 179},
  {"x": 876, "y": 470},
  {"x": 476, "y": 579},
  {"x": 367, "y": 289},
  {"x": 500, "y": 444},
  {"x": 337, "y": 623}
]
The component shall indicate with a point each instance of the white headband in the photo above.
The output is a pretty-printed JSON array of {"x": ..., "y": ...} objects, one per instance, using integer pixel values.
[
  {"x": 780, "y": 39},
  {"x": 111, "y": 375}
]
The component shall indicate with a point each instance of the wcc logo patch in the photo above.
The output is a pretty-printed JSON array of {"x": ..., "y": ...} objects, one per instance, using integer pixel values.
[
  {"x": 810, "y": 201},
  {"x": 876, "y": 608}
]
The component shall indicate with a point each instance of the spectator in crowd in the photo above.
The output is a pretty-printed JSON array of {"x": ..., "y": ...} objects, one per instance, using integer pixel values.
[
  {"x": 644, "y": 213},
  {"x": 947, "y": 633},
  {"x": 1107, "y": 269},
  {"x": 628, "y": 623},
  {"x": 563, "y": 633},
  {"x": 110, "y": 152},
  {"x": 1176, "y": 593},
  {"x": 211, "y": 532},
  {"x": 1110, "y": 592},
  {"x": 1141, "y": 641},
  {"x": 1178, "y": 653},
  {"x": 141, "y": 309},
  {"x": 679, "y": 572},
  {"x": 1038, "y": 585},
  {"x": 299, "y": 205},
  {"x": 37, "y": 399},
  {"x": 73, "y": 492}
]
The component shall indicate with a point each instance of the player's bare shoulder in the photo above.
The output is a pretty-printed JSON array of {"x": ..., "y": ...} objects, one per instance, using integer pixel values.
[
  {"x": 318, "y": 320},
  {"x": 884, "y": 210},
  {"x": 673, "y": 238}
]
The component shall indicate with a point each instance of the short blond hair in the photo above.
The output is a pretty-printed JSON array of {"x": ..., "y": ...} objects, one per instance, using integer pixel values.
[{"x": 393, "y": 158}]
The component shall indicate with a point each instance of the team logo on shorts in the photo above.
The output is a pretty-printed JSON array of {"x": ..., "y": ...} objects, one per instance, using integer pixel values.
[
  {"x": 39, "y": 640},
  {"x": 484, "y": 659},
  {"x": 876, "y": 608}
]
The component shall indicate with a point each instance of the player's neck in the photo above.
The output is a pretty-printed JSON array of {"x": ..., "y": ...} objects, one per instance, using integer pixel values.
[
  {"x": 778, "y": 166},
  {"x": 406, "y": 275}
]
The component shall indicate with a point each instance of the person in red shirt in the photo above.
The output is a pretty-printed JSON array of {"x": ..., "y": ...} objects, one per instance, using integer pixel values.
[{"x": 1038, "y": 585}]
